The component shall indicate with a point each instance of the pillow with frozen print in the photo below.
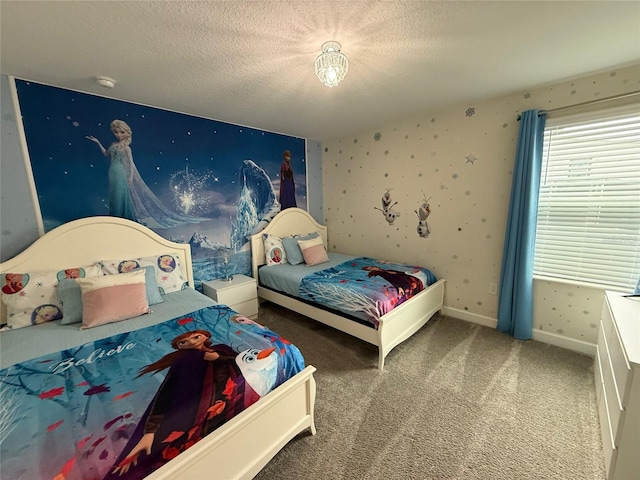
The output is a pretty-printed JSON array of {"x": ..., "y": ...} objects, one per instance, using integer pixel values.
[
  {"x": 292, "y": 249},
  {"x": 32, "y": 298},
  {"x": 274, "y": 250},
  {"x": 313, "y": 251},
  {"x": 170, "y": 275},
  {"x": 70, "y": 294},
  {"x": 113, "y": 298}
]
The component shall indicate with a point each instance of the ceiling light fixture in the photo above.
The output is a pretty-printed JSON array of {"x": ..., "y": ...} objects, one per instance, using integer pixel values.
[{"x": 331, "y": 64}]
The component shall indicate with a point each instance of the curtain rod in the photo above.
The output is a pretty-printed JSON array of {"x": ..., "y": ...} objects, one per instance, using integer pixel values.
[{"x": 590, "y": 102}]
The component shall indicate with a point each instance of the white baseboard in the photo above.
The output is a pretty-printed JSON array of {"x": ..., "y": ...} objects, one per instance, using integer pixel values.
[
  {"x": 471, "y": 317},
  {"x": 579, "y": 346},
  {"x": 539, "y": 335}
]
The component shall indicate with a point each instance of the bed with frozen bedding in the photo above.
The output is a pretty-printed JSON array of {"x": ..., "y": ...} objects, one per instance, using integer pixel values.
[
  {"x": 147, "y": 379},
  {"x": 380, "y": 302}
]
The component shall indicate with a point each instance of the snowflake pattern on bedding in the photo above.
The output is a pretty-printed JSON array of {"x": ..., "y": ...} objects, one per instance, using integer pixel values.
[
  {"x": 365, "y": 288},
  {"x": 77, "y": 414}
]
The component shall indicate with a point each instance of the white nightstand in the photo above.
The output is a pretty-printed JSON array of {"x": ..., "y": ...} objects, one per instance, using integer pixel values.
[{"x": 240, "y": 294}]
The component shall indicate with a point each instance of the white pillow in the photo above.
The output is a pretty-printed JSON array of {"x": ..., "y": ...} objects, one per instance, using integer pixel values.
[
  {"x": 170, "y": 276},
  {"x": 32, "y": 298},
  {"x": 274, "y": 252}
]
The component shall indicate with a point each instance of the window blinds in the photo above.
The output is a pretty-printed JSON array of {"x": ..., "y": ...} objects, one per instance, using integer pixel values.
[{"x": 588, "y": 225}]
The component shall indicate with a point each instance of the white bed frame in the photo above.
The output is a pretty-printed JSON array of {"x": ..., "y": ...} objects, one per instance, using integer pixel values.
[
  {"x": 243, "y": 446},
  {"x": 394, "y": 328}
]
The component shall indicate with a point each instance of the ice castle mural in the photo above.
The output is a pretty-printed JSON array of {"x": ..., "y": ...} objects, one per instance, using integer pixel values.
[{"x": 256, "y": 207}]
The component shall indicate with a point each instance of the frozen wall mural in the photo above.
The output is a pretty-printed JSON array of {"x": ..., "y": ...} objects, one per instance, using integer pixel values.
[{"x": 187, "y": 178}]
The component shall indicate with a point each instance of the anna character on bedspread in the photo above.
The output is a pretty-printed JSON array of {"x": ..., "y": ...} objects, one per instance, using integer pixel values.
[
  {"x": 202, "y": 390},
  {"x": 406, "y": 285}
]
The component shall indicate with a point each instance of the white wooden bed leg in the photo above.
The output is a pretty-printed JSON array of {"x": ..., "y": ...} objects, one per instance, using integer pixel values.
[
  {"x": 380, "y": 358},
  {"x": 312, "y": 401}
]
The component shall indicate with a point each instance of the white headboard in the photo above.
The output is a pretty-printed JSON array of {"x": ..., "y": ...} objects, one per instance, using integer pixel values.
[
  {"x": 89, "y": 240},
  {"x": 290, "y": 221}
]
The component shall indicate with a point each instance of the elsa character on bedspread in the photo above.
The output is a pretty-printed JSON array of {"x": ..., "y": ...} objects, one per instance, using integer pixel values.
[{"x": 203, "y": 388}]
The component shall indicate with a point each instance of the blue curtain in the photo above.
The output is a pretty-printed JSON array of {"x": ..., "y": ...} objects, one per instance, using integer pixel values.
[{"x": 515, "y": 303}]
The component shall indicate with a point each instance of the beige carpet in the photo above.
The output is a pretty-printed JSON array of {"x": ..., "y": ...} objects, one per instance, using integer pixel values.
[{"x": 456, "y": 401}]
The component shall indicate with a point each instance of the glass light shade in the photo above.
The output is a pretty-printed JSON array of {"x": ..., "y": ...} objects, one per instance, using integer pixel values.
[{"x": 331, "y": 64}]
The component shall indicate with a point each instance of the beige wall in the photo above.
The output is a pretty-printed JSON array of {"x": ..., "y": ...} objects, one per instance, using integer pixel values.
[{"x": 462, "y": 159}]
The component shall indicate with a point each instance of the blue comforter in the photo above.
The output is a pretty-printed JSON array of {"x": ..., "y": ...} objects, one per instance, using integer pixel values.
[
  {"x": 86, "y": 412},
  {"x": 365, "y": 288}
]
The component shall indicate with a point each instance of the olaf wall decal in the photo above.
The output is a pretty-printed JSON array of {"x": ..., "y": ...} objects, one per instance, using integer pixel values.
[
  {"x": 423, "y": 213},
  {"x": 390, "y": 215}
]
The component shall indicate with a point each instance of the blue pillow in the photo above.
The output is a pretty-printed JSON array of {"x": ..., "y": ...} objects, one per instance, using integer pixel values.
[
  {"x": 153, "y": 292},
  {"x": 71, "y": 296},
  {"x": 292, "y": 249}
]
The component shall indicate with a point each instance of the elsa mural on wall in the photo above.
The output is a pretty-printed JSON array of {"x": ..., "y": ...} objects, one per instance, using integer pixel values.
[
  {"x": 129, "y": 196},
  {"x": 190, "y": 179}
]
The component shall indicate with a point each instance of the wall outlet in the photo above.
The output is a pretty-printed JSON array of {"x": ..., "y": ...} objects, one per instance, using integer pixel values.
[{"x": 493, "y": 289}]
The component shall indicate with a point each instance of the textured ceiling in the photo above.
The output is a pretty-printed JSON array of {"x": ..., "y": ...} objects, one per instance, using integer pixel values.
[{"x": 251, "y": 62}]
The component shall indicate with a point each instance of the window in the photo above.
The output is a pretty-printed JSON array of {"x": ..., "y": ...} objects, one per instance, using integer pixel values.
[{"x": 588, "y": 227}]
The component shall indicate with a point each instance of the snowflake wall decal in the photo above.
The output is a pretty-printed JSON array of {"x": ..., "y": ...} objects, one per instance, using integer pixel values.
[
  {"x": 470, "y": 112},
  {"x": 471, "y": 158}
]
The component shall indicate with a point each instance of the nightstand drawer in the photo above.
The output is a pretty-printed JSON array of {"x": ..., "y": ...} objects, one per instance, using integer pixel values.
[
  {"x": 238, "y": 290},
  {"x": 248, "y": 308},
  {"x": 241, "y": 293}
]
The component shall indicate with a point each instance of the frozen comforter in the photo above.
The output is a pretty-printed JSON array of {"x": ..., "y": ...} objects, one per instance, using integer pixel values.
[
  {"x": 364, "y": 287},
  {"x": 124, "y": 405}
]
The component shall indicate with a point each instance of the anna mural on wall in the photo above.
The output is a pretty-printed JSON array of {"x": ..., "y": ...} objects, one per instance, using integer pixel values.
[{"x": 187, "y": 178}]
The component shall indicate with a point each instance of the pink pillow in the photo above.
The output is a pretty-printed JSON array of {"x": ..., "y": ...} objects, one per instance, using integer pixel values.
[
  {"x": 112, "y": 298},
  {"x": 313, "y": 251}
]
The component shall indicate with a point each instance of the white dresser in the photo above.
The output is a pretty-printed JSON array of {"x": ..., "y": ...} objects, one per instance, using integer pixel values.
[
  {"x": 239, "y": 294},
  {"x": 617, "y": 377}
]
